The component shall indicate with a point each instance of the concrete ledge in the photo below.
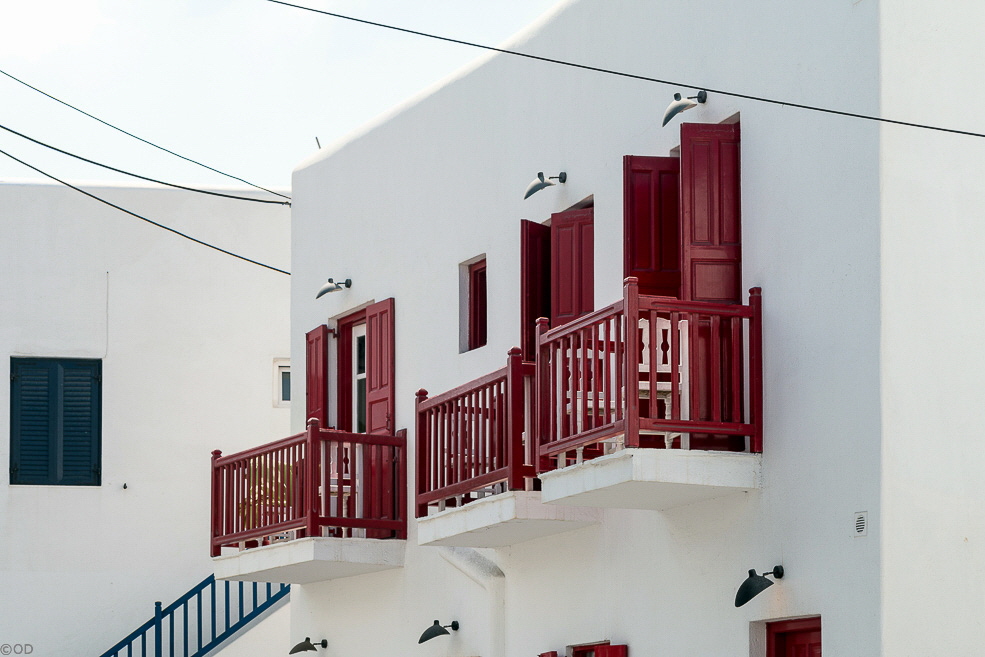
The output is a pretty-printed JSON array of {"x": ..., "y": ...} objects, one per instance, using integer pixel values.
[
  {"x": 501, "y": 520},
  {"x": 652, "y": 478},
  {"x": 308, "y": 560}
]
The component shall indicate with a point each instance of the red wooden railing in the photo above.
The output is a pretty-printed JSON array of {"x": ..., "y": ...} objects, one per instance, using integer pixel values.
[
  {"x": 470, "y": 439},
  {"x": 697, "y": 382},
  {"x": 354, "y": 486}
]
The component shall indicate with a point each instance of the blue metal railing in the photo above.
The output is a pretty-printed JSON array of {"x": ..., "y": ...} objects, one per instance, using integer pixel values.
[{"x": 200, "y": 620}]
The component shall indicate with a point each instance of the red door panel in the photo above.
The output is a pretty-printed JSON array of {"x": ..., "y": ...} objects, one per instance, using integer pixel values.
[
  {"x": 572, "y": 265},
  {"x": 612, "y": 651},
  {"x": 535, "y": 282},
  {"x": 316, "y": 374},
  {"x": 651, "y": 223},
  {"x": 711, "y": 268},
  {"x": 796, "y": 638},
  {"x": 379, "y": 367}
]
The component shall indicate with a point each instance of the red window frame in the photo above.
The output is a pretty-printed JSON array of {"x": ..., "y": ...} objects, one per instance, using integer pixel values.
[
  {"x": 478, "y": 306},
  {"x": 778, "y": 633}
]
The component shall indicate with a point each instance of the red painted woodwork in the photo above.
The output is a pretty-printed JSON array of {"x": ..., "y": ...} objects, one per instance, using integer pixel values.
[
  {"x": 477, "y": 304},
  {"x": 379, "y": 367},
  {"x": 316, "y": 373},
  {"x": 345, "y": 368},
  {"x": 587, "y": 393},
  {"x": 710, "y": 217},
  {"x": 471, "y": 438},
  {"x": 712, "y": 264},
  {"x": 651, "y": 224},
  {"x": 794, "y": 638},
  {"x": 552, "y": 653},
  {"x": 612, "y": 651},
  {"x": 306, "y": 484},
  {"x": 535, "y": 281},
  {"x": 572, "y": 265}
]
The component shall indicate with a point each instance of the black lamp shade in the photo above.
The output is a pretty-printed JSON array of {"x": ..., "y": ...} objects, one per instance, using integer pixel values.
[
  {"x": 307, "y": 645},
  {"x": 437, "y": 630},
  {"x": 755, "y": 584}
]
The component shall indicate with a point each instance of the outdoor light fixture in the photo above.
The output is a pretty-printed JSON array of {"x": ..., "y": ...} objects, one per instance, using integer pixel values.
[
  {"x": 307, "y": 645},
  {"x": 681, "y": 104},
  {"x": 756, "y": 584},
  {"x": 332, "y": 286},
  {"x": 437, "y": 630},
  {"x": 540, "y": 182}
]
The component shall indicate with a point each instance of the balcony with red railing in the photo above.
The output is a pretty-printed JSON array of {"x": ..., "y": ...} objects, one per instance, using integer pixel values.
[
  {"x": 475, "y": 466},
  {"x": 314, "y": 506},
  {"x": 651, "y": 402}
]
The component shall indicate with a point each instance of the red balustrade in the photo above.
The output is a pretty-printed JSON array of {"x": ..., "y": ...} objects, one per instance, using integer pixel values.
[
  {"x": 470, "y": 439},
  {"x": 696, "y": 381},
  {"x": 354, "y": 486}
]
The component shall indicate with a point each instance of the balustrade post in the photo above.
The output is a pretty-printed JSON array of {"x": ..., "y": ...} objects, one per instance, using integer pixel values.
[
  {"x": 401, "y": 514},
  {"x": 514, "y": 418},
  {"x": 756, "y": 368},
  {"x": 215, "y": 545},
  {"x": 158, "y": 630},
  {"x": 631, "y": 314},
  {"x": 542, "y": 400},
  {"x": 312, "y": 467},
  {"x": 423, "y": 455}
]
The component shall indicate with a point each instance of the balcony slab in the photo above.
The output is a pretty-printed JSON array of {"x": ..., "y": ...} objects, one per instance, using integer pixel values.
[
  {"x": 656, "y": 479},
  {"x": 502, "y": 520},
  {"x": 309, "y": 560}
]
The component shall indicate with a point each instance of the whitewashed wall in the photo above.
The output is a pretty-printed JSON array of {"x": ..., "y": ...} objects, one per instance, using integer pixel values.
[
  {"x": 400, "y": 205},
  {"x": 187, "y": 337}
]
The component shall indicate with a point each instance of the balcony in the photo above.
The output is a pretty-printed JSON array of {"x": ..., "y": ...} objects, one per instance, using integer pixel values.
[
  {"x": 650, "y": 403},
  {"x": 475, "y": 469},
  {"x": 311, "y": 507}
]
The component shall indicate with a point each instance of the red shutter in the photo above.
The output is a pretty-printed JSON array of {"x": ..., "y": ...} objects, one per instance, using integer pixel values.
[
  {"x": 316, "y": 373},
  {"x": 712, "y": 267},
  {"x": 379, "y": 368},
  {"x": 651, "y": 223},
  {"x": 477, "y": 304},
  {"x": 612, "y": 651},
  {"x": 572, "y": 265},
  {"x": 535, "y": 281},
  {"x": 710, "y": 212}
]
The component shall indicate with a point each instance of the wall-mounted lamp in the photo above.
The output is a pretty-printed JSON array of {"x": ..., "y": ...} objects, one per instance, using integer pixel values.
[
  {"x": 437, "y": 630},
  {"x": 540, "y": 182},
  {"x": 332, "y": 286},
  {"x": 307, "y": 645},
  {"x": 682, "y": 104},
  {"x": 756, "y": 584}
]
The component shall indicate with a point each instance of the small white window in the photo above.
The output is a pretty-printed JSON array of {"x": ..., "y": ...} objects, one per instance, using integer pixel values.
[{"x": 282, "y": 382}]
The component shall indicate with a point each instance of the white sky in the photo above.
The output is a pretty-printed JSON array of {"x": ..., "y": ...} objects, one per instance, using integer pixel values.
[{"x": 244, "y": 86}]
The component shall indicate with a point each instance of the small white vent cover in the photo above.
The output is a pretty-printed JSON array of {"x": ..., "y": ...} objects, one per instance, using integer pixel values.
[{"x": 860, "y": 523}]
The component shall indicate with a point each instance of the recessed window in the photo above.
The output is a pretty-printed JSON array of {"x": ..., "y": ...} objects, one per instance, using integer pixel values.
[
  {"x": 474, "y": 308},
  {"x": 55, "y": 421},
  {"x": 282, "y": 382}
]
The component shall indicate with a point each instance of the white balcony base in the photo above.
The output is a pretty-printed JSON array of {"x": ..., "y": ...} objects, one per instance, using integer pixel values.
[
  {"x": 309, "y": 560},
  {"x": 502, "y": 520},
  {"x": 652, "y": 478}
]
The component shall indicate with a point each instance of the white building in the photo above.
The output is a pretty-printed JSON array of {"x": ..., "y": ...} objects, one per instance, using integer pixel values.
[
  {"x": 148, "y": 350},
  {"x": 863, "y": 237}
]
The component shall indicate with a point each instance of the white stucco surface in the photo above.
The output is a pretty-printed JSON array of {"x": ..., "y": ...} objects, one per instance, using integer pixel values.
[{"x": 187, "y": 337}]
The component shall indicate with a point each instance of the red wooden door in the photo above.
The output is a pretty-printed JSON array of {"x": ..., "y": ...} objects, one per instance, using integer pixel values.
[
  {"x": 711, "y": 268},
  {"x": 378, "y": 466},
  {"x": 796, "y": 638},
  {"x": 572, "y": 265},
  {"x": 651, "y": 224},
  {"x": 316, "y": 374},
  {"x": 535, "y": 282}
]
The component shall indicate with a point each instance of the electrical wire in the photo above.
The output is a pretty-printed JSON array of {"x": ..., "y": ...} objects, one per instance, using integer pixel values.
[
  {"x": 149, "y": 143},
  {"x": 127, "y": 173},
  {"x": 633, "y": 76},
  {"x": 150, "y": 221}
]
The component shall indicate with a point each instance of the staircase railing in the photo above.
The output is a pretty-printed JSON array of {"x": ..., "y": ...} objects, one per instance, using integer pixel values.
[{"x": 200, "y": 620}]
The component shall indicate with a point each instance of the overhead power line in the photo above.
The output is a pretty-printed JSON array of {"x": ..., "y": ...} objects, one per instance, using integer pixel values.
[
  {"x": 127, "y": 173},
  {"x": 150, "y": 221},
  {"x": 149, "y": 143},
  {"x": 632, "y": 76}
]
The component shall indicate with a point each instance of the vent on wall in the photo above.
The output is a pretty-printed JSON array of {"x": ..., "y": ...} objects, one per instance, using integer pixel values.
[{"x": 861, "y": 523}]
